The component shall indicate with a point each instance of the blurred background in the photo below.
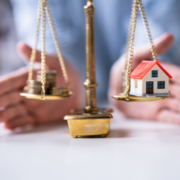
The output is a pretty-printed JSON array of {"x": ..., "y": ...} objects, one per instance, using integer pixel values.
[
  {"x": 9, "y": 59},
  {"x": 18, "y": 22}
]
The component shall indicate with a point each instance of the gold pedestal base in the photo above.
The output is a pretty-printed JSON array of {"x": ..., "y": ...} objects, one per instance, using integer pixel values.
[{"x": 89, "y": 124}]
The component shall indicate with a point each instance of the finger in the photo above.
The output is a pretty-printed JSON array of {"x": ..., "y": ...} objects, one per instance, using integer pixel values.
[
  {"x": 12, "y": 112},
  {"x": 162, "y": 44},
  {"x": 13, "y": 81},
  {"x": 168, "y": 116},
  {"x": 171, "y": 104},
  {"x": 25, "y": 51},
  {"x": 10, "y": 99},
  {"x": 175, "y": 90},
  {"x": 20, "y": 122},
  {"x": 174, "y": 72}
]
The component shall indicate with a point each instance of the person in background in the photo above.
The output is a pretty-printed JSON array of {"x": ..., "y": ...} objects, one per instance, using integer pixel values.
[
  {"x": 111, "y": 27},
  {"x": 9, "y": 59}
]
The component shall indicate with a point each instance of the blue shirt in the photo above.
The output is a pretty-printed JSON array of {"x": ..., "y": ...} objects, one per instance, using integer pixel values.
[{"x": 111, "y": 27}]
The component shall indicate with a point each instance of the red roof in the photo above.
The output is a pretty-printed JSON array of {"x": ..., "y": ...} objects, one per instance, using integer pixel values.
[{"x": 144, "y": 67}]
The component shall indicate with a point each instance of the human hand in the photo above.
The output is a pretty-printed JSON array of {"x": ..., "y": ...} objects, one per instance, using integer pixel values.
[
  {"x": 17, "y": 111},
  {"x": 167, "y": 110}
]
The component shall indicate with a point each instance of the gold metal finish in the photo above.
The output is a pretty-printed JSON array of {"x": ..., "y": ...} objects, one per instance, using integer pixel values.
[
  {"x": 91, "y": 121},
  {"x": 123, "y": 97},
  {"x": 43, "y": 47},
  {"x": 47, "y": 97},
  {"x": 129, "y": 52},
  {"x": 59, "y": 91},
  {"x": 89, "y": 124},
  {"x": 34, "y": 87},
  {"x": 58, "y": 49},
  {"x": 43, "y": 10},
  {"x": 33, "y": 53},
  {"x": 90, "y": 82}
]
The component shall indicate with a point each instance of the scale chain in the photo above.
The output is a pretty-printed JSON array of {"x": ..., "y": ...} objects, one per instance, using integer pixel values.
[
  {"x": 146, "y": 25},
  {"x": 43, "y": 10},
  {"x": 137, "y": 4},
  {"x": 123, "y": 84},
  {"x": 131, "y": 46},
  {"x": 33, "y": 53},
  {"x": 43, "y": 55},
  {"x": 58, "y": 49}
]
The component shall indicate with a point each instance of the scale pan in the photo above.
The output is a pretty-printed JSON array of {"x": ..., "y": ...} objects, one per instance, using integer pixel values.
[
  {"x": 47, "y": 97},
  {"x": 122, "y": 97}
]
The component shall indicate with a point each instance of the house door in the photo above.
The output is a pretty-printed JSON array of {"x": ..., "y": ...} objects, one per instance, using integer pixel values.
[{"x": 149, "y": 87}]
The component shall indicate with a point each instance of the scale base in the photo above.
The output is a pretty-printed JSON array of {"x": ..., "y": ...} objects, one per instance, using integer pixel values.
[
  {"x": 47, "y": 97},
  {"x": 130, "y": 98},
  {"x": 89, "y": 124}
]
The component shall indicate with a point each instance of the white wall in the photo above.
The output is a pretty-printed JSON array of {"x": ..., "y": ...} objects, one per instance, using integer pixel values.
[
  {"x": 139, "y": 89},
  {"x": 161, "y": 77}
]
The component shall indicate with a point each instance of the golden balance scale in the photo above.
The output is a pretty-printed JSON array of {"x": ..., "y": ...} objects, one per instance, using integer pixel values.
[{"x": 89, "y": 121}]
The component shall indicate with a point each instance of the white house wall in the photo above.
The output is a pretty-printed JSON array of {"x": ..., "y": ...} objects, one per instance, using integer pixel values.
[
  {"x": 139, "y": 89},
  {"x": 161, "y": 77}
]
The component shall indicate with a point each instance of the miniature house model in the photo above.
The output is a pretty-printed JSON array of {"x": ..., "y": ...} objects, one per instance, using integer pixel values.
[{"x": 149, "y": 79}]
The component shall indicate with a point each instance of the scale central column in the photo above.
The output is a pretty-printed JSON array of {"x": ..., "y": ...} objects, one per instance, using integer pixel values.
[
  {"x": 90, "y": 83},
  {"x": 89, "y": 121}
]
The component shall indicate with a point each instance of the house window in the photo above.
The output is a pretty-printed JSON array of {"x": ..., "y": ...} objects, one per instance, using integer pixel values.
[
  {"x": 149, "y": 85},
  {"x": 161, "y": 84},
  {"x": 154, "y": 74}
]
